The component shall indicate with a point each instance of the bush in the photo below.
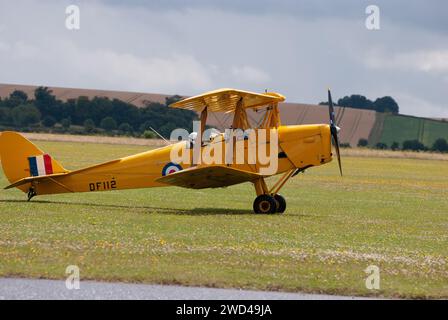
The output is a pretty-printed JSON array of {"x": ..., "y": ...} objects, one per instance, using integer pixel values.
[
  {"x": 149, "y": 135},
  {"x": 345, "y": 145},
  {"x": 381, "y": 146},
  {"x": 108, "y": 124},
  {"x": 395, "y": 146},
  {"x": 125, "y": 128},
  {"x": 413, "y": 145},
  {"x": 440, "y": 145},
  {"x": 25, "y": 115},
  {"x": 363, "y": 142},
  {"x": 89, "y": 126},
  {"x": 66, "y": 123},
  {"x": 49, "y": 121}
]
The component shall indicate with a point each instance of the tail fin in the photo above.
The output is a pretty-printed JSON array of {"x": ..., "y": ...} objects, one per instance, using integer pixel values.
[{"x": 22, "y": 159}]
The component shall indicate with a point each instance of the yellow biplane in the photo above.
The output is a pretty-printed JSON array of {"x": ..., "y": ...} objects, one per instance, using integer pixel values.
[{"x": 299, "y": 147}]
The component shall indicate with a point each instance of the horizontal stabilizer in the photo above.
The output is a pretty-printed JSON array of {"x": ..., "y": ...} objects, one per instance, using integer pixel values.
[{"x": 23, "y": 181}]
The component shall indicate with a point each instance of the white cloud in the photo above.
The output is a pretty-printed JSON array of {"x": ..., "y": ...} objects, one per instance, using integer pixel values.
[
  {"x": 131, "y": 72},
  {"x": 105, "y": 69},
  {"x": 249, "y": 74},
  {"x": 433, "y": 61},
  {"x": 421, "y": 107}
]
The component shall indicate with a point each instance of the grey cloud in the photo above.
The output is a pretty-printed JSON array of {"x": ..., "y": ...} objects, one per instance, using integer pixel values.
[
  {"x": 415, "y": 13},
  {"x": 185, "y": 47}
]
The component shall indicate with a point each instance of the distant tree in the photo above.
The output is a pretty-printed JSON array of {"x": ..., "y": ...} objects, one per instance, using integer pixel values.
[
  {"x": 172, "y": 99},
  {"x": 395, "y": 146},
  {"x": 124, "y": 112},
  {"x": 149, "y": 135},
  {"x": 166, "y": 129},
  {"x": 25, "y": 115},
  {"x": 158, "y": 115},
  {"x": 19, "y": 94},
  {"x": 325, "y": 103},
  {"x": 108, "y": 124},
  {"x": 145, "y": 126},
  {"x": 5, "y": 115},
  {"x": 17, "y": 98},
  {"x": 363, "y": 142},
  {"x": 381, "y": 146},
  {"x": 44, "y": 100},
  {"x": 386, "y": 104},
  {"x": 355, "y": 101},
  {"x": 49, "y": 121},
  {"x": 89, "y": 126},
  {"x": 413, "y": 145},
  {"x": 66, "y": 123},
  {"x": 82, "y": 111},
  {"x": 77, "y": 111},
  {"x": 440, "y": 145},
  {"x": 125, "y": 128}
]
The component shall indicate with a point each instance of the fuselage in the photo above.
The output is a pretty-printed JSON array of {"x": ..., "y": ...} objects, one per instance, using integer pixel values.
[{"x": 299, "y": 146}]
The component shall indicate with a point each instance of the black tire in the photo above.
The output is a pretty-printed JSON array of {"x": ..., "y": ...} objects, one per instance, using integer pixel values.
[
  {"x": 265, "y": 204},
  {"x": 281, "y": 203}
]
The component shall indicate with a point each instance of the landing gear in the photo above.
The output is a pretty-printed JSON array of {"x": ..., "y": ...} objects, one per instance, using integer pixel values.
[
  {"x": 281, "y": 203},
  {"x": 265, "y": 204},
  {"x": 268, "y": 204},
  {"x": 268, "y": 200},
  {"x": 31, "y": 193}
]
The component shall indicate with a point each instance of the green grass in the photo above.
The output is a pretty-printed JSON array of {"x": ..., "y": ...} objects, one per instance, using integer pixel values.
[
  {"x": 401, "y": 128},
  {"x": 433, "y": 131},
  {"x": 392, "y": 213}
]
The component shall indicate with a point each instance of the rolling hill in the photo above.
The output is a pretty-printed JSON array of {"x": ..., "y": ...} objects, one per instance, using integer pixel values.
[{"x": 355, "y": 123}]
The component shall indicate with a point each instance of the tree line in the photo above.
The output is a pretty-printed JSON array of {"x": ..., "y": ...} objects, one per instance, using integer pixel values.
[
  {"x": 439, "y": 145},
  {"x": 44, "y": 112},
  {"x": 101, "y": 115},
  {"x": 385, "y": 104}
]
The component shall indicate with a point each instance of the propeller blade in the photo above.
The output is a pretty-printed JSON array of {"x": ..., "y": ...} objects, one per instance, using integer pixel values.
[
  {"x": 331, "y": 109},
  {"x": 338, "y": 154},
  {"x": 334, "y": 129}
]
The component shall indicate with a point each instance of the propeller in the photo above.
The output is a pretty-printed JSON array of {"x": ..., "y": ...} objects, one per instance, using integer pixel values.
[{"x": 334, "y": 129}]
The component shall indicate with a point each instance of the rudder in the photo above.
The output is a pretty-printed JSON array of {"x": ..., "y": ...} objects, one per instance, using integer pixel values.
[{"x": 21, "y": 158}]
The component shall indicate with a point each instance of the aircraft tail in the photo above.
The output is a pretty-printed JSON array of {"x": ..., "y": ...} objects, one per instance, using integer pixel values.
[{"x": 22, "y": 159}]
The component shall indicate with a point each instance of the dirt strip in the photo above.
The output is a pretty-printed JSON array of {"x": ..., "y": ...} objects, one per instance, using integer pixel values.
[
  {"x": 373, "y": 153},
  {"x": 93, "y": 139}
]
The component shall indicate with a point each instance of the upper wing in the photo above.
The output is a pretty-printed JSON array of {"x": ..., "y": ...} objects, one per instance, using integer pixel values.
[
  {"x": 208, "y": 177},
  {"x": 225, "y": 100}
]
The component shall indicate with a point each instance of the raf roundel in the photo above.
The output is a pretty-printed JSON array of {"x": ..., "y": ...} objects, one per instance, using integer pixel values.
[{"x": 170, "y": 168}]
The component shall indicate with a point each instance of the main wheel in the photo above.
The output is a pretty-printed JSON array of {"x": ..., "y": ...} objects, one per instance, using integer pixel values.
[
  {"x": 281, "y": 203},
  {"x": 265, "y": 204}
]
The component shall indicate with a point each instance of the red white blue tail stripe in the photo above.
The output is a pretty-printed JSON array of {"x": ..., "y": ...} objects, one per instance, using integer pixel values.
[{"x": 40, "y": 165}]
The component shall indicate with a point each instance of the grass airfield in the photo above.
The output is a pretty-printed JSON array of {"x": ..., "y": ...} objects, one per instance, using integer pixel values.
[{"x": 388, "y": 212}]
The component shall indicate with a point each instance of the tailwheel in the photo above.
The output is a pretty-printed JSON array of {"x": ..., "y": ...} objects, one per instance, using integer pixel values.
[
  {"x": 31, "y": 193},
  {"x": 281, "y": 203},
  {"x": 265, "y": 204}
]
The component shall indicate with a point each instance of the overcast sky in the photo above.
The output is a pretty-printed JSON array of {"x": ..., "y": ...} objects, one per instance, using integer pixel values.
[{"x": 298, "y": 48}]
